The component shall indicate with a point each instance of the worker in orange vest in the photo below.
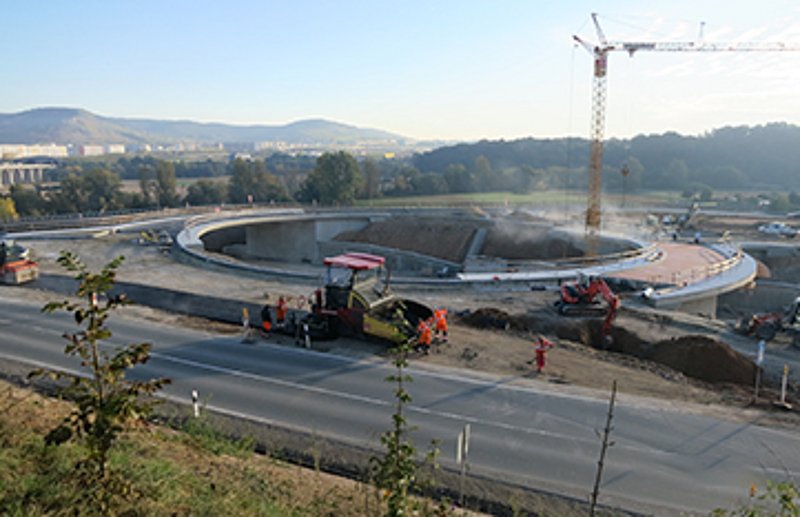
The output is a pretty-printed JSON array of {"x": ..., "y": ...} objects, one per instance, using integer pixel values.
[
  {"x": 280, "y": 312},
  {"x": 424, "y": 337},
  {"x": 440, "y": 323},
  {"x": 540, "y": 348}
]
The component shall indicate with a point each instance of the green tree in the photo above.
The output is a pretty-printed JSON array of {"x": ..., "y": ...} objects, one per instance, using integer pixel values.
[
  {"x": 251, "y": 178},
  {"x": 524, "y": 179},
  {"x": 242, "y": 183},
  {"x": 781, "y": 499},
  {"x": 70, "y": 197},
  {"x": 158, "y": 183},
  {"x": 105, "y": 401},
  {"x": 459, "y": 179},
  {"x": 166, "y": 184},
  {"x": 676, "y": 174},
  {"x": 336, "y": 179},
  {"x": 372, "y": 178},
  {"x": 27, "y": 201},
  {"x": 397, "y": 472},
  {"x": 102, "y": 188},
  {"x": 206, "y": 192},
  {"x": 484, "y": 175},
  {"x": 94, "y": 190}
]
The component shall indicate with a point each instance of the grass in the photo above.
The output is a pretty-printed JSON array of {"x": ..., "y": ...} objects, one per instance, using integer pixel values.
[
  {"x": 163, "y": 471},
  {"x": 540, "y": 199}
]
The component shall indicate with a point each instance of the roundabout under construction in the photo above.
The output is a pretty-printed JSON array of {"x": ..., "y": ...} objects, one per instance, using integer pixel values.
[{"x": 500, "y": 250}]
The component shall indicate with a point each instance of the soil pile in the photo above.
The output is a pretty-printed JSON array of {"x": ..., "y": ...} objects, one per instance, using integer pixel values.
[
  {"x": 696, "y": 356},
  {"x": 448, "y": 240},
  {"x": 705, "y": 358},
  {"x": 516, "y": 242},
  {"x": 490, "y": 318}
]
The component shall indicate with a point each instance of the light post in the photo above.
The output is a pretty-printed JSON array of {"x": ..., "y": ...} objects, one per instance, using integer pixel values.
[{"x": 624, "y": 171}]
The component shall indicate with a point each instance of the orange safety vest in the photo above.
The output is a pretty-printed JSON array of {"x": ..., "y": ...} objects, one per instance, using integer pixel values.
[
  {"x": 281, "y": 309},
  {"x": 424, "y": 333},
  {"x": 441, "y": 321}
]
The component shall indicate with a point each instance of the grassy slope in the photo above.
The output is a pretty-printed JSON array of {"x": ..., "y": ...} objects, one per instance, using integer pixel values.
[{"x": 171, "y": 473}]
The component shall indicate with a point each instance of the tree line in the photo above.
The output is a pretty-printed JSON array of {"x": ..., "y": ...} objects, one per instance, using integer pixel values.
[
  {"x": 762, "y": 157},
  {"x": 733, "y": 158}
]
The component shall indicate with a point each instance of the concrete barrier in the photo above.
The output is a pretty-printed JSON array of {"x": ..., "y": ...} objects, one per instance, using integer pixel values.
[{"x": 180, "y": 302}]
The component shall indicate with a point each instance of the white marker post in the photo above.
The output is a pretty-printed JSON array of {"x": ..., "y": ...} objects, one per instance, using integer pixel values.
[
  {"x": 762, "y": 346},
  {"x": 306, "y": 335},
  {"x": 784, "y": 382},
  {"x": 195, "y": 405},
  {"x": 462, "y": 451}
]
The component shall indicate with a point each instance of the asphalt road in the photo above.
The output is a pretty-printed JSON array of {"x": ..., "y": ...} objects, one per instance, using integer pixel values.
[{"x": 530, "y": 434}]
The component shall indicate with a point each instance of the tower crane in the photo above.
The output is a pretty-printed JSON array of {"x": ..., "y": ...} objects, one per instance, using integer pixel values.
[{"x": 600, "y": 52}]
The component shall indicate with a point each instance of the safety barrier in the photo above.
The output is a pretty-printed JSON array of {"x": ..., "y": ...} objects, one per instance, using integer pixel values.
[{"x": 680, "y": 279}]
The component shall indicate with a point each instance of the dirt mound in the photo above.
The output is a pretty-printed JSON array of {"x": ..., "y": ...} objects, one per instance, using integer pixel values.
[
  {"x": 705, "y": 358},
  {"x": 696, "y": 356},
  {"x": 444, "y": 239},
  {"x": 489, "y": 318},
  {"x": 516, "y": 242}
]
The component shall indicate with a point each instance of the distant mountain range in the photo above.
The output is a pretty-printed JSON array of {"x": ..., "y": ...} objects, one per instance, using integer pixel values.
[{"x": 79, "y": 127}]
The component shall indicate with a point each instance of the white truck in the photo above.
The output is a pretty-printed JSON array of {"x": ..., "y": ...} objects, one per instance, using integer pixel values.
[{"x": 779, "y": 229}]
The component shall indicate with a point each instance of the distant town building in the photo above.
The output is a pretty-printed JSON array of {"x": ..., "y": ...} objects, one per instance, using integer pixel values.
[
  {"x": 17, "y": 151},
  {"x": 12, "y": 173},
  {"x": 91, "y": 150},
  {"x": 115, "y": 149}
]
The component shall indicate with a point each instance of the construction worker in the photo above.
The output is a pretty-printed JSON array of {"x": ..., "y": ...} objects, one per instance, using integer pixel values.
[
  {"x": 280, "y": 312},
  {"x": 247, "y": 336},
  {"x": 424, "y": 337},
  {"x": 440, "y": 324},
  {"x": 540, "y": 348},
  {"x": 266, "y": 320}
]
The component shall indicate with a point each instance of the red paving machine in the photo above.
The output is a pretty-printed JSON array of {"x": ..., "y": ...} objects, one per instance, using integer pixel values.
[
  {"x": 15, "y": 266},
  {"x": 357, "y": 301},
  {"x": 581, "y": 299}
]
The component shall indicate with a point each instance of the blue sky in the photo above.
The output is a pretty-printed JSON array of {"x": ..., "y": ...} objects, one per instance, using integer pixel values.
[{"x": 435, "y": 69}]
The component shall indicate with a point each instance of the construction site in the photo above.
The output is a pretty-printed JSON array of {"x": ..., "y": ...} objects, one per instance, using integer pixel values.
[
  {"x": 683, "y": 310},
  {"x": 498, "y": 272},
  {"x": 671, "y": 314}
]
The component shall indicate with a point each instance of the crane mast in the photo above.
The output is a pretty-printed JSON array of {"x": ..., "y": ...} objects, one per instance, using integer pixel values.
[{"x": 600, "y": 52}]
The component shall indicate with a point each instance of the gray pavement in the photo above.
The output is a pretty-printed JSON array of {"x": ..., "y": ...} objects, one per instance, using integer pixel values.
[{"x": 664, "y": 461}]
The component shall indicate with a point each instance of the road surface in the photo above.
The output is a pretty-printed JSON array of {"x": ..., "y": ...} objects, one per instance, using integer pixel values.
[{"x": 663, "y": 461}]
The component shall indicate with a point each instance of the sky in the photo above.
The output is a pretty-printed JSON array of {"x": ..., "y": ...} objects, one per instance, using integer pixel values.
[{"x": 425, "y": 69}]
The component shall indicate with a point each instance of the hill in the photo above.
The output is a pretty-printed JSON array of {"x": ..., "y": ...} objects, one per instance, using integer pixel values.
[{"x": 78, "y": 126}]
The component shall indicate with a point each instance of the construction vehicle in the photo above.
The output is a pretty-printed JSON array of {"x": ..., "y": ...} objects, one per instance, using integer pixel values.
[
  {"x": 580, "y": 298},
  {"x": 15, "y": 265},
  {"x": 767, "y": 325},
  {"x": 357, "y": 301}
]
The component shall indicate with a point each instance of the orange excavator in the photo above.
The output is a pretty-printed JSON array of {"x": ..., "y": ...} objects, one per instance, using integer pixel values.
[
  {"x": 15, "y": 266},
  {"x": 581, "y": 299},
  {"x": 767, "y": 325}
]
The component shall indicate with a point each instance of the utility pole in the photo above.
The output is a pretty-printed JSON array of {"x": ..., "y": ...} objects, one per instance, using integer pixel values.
[
  {"x": 603, "y": 449},
  {"x": 599, "y": 52}
]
